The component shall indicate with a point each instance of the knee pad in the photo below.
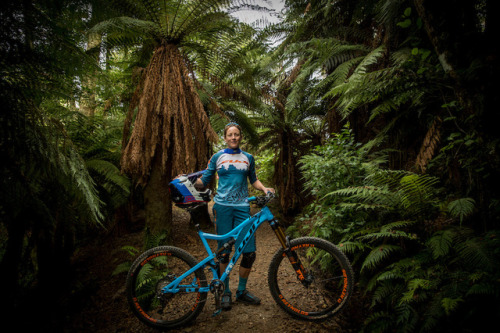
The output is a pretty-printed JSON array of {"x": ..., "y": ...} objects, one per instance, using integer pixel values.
[{"x": 247, "y": 260}]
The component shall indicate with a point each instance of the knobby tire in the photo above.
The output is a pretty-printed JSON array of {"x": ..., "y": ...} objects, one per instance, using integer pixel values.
[
  {"x": 153, "y": 270},
  {"x": 328, "y": 272}
]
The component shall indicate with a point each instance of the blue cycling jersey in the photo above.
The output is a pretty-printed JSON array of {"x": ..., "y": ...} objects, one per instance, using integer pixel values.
[{"x": 233, "y": 167}]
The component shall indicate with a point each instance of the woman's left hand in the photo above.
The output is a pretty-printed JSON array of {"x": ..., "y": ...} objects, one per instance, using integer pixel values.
[{"x": 269, "y": 189}]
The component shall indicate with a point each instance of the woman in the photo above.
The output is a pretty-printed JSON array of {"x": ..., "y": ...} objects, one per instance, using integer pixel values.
[{"x": 233, "y": 167}]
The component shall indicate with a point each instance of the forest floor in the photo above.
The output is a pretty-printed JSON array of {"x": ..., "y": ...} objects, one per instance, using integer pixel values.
[{"x": 103, "y": 306}]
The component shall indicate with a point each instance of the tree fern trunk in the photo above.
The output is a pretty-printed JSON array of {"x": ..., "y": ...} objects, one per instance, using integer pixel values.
[{"x": 157, "y": 202}]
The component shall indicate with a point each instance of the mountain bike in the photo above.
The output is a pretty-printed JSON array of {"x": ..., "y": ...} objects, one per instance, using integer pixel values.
[{"x": 309, "y": 277}]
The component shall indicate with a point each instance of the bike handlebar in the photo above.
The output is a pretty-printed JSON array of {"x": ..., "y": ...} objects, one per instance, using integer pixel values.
[{"x": 262, "y": 200}]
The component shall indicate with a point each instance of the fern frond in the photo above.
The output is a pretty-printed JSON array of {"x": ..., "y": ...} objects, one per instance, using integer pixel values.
[
  {"x": 412, "y": 287},
  {"x": 418, "y": 193},
  {"x": 397, "y": 225},
  {"x": 406, "y": 317},
  {"x": 474, "y": 253},
  {"x": 385, "y": 290},
  {"x": 395, "y": 234},
  {"x": 441, "y": 243},
  {"x": 461, "y": 208},
  {"x": 370, "y": 59},
  {"x": 131, "y": 250},
  {"x": 484, "y": 289},
  {"x": 122, "y": 268},
  {"x": 380, "y": 321},
  {"x": 368, "y": 197},
  {"x": 352, "y": 247},
  {"x": 450, "y": 304},
  {"x": 378, "y": 255},
  {"x": 111, "y": 174},
  {"x": 390, "y": 178}
]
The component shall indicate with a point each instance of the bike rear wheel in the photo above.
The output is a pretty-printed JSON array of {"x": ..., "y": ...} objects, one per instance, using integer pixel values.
[
  {"x": 327, "y": 279},
  {"x": 155, "y": 269}
]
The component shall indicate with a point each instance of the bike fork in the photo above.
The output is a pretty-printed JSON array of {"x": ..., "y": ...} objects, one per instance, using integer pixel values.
[{"x": 291, "y": 255}]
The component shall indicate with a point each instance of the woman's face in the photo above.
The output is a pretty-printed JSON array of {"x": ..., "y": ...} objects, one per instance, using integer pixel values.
[{"x": 233, "y": 137}]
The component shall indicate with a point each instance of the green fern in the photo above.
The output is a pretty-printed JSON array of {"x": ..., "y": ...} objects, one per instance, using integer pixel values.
[
  {"x": 116, "y": 184},
  {"x": 461, "y": 208},
  {"x": 153, "y": 240},
  {"x": 379, "y": 254},
  {"x": 450, "y": 304},
  {"x": 441, "y": 243},
  {"x": 380, "y": 321},
  {"x": 122, "y": 268}
]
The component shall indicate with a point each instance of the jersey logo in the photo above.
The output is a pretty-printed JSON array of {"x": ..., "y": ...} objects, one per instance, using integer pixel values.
[{"x": 234, "y": 162}]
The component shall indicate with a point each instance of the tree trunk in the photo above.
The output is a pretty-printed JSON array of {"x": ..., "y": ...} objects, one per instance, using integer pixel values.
[
  {"x": 157, "y": 202},
  {"x": 445, "y": 55},
  {"x": 201, "y": 216}
]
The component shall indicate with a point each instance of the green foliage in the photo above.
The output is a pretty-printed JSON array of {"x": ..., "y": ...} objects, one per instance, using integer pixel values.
[
  {"x": 264, "y": 163},
  {"x": 150, "y": 241},
  {"x": 124, "y": 267},
  {"x": 338, "y": 163},
  {"x": 420, "y": 267},
  {"x": 461, "y": 208}
]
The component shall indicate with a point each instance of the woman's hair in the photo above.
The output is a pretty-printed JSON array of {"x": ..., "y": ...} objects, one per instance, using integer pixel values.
[{"x": 232, "y": 124}]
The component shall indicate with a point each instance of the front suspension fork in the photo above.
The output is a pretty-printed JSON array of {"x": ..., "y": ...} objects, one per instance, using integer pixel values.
[{"x": 291, "y": 255}]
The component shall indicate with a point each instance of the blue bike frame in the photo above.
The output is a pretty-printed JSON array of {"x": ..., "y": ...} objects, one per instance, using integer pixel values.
[{"x": 253, "y": 221}]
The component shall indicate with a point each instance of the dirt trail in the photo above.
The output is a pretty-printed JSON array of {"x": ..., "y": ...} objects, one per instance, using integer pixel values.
[{"x": 106, "y": 308}]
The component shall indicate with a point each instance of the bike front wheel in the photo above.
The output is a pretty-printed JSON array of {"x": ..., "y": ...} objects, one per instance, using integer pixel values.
[
  {"x": 150, "y": 273},
  {"x": 320, "y": 288}
]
